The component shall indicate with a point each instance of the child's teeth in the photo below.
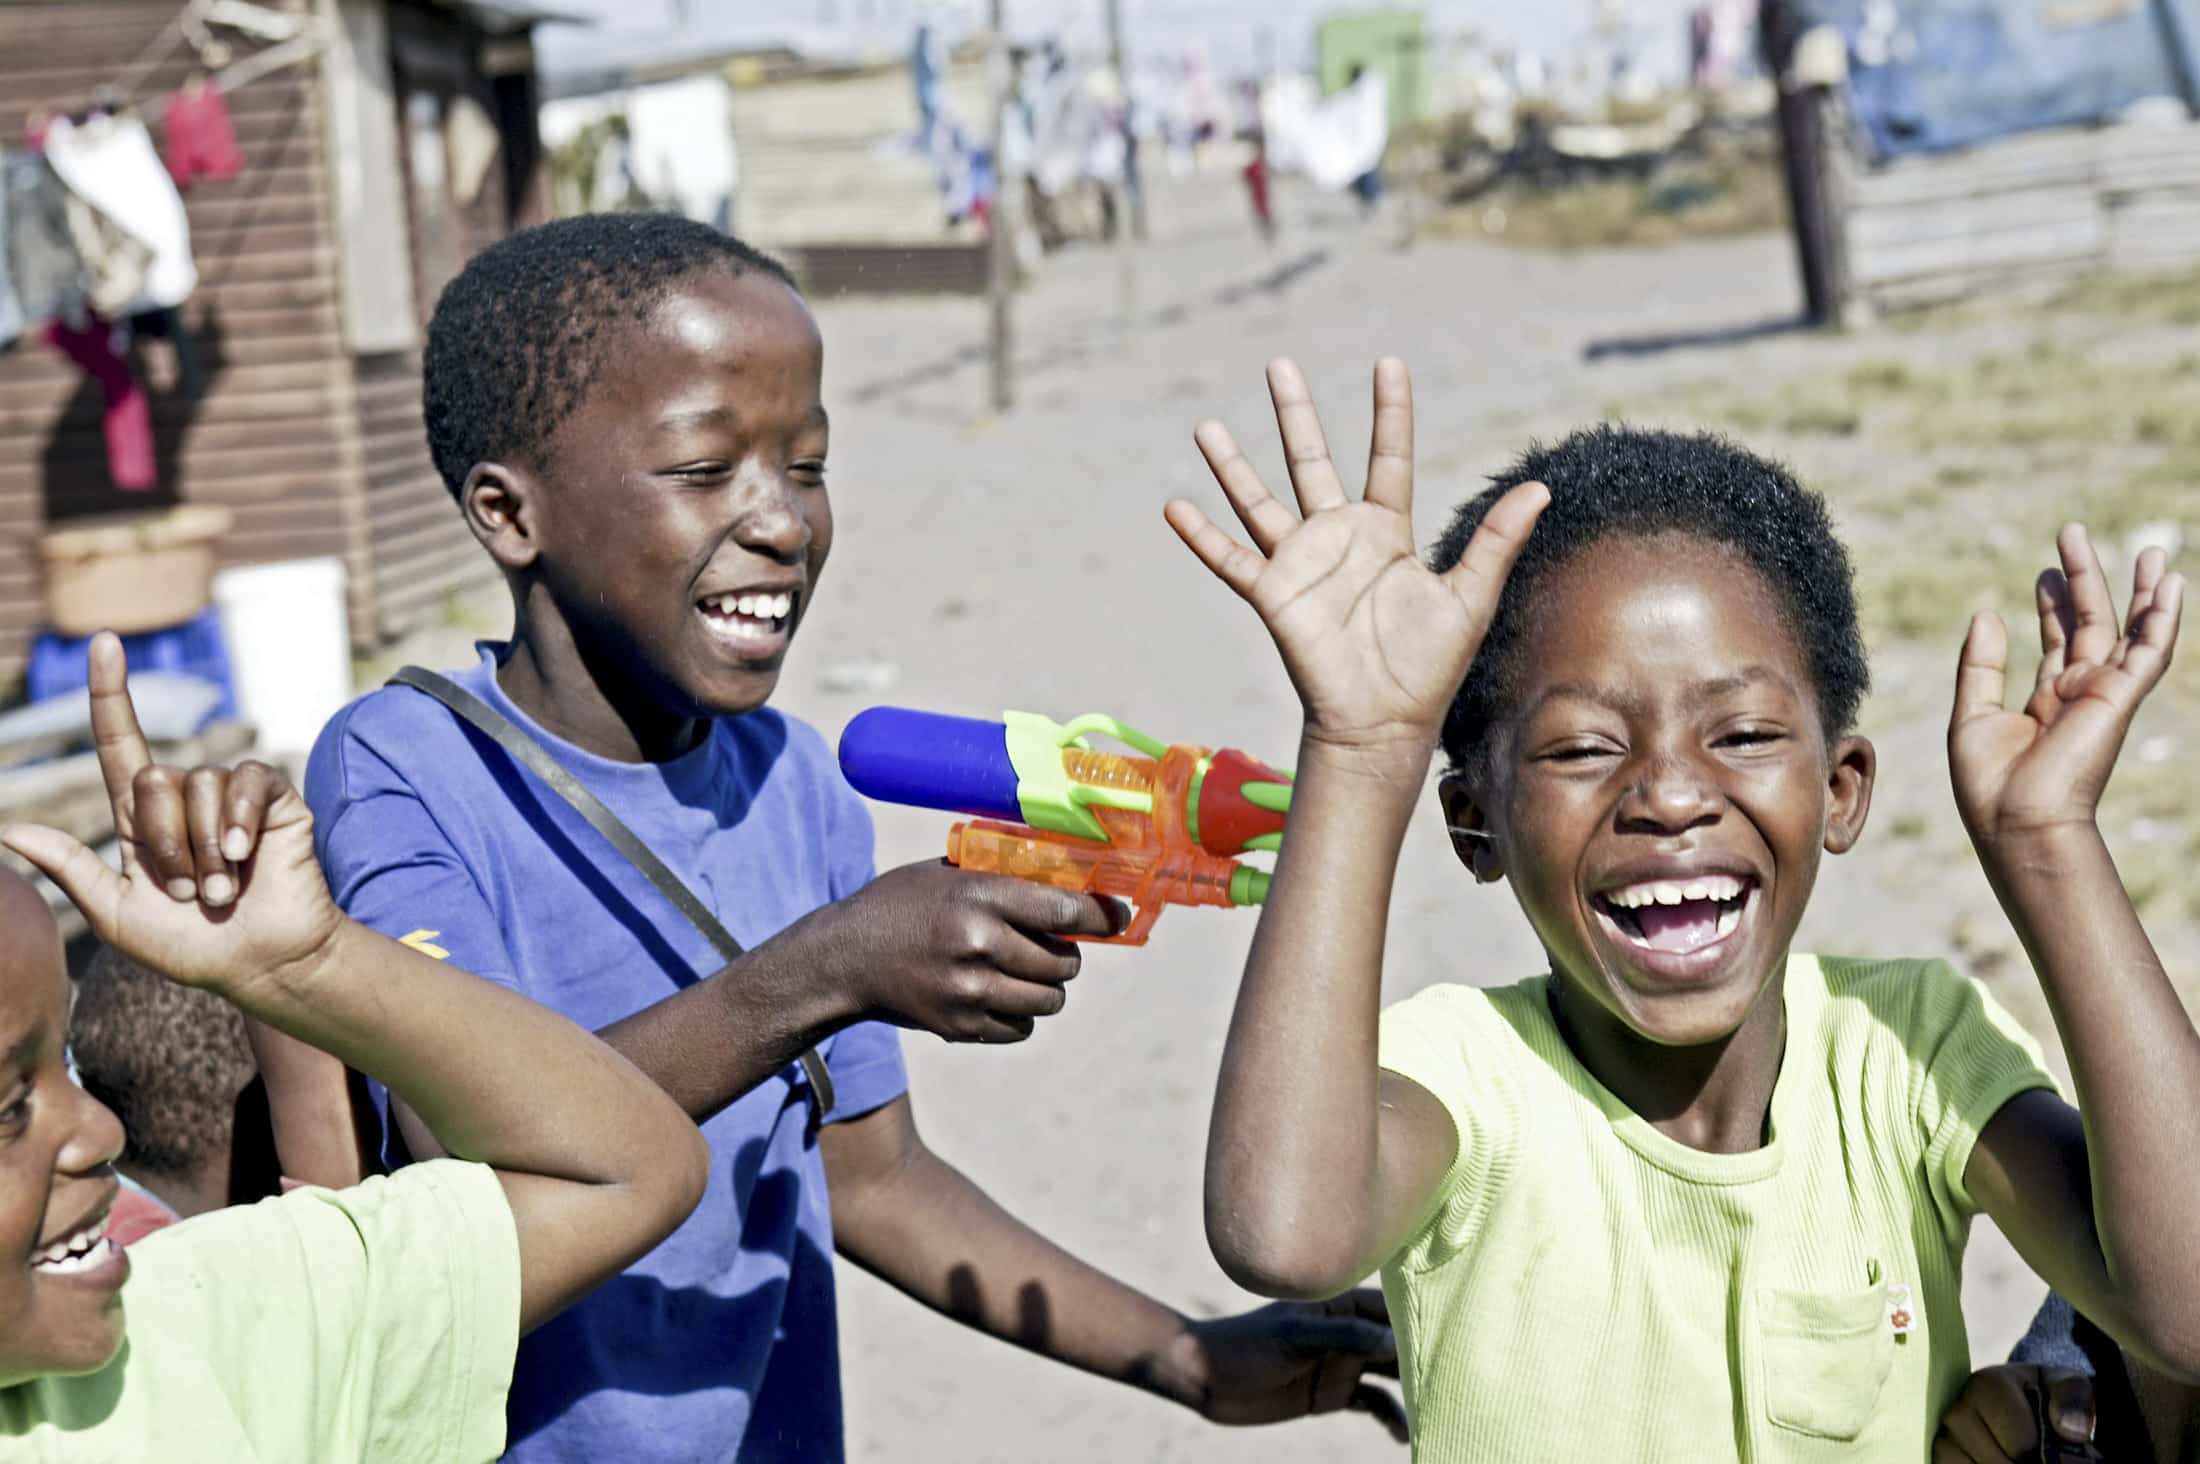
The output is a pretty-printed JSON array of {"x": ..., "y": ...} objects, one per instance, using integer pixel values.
[
  {"x": 1721, "y": 887},
  {"x": 71, "y": 1263},
  {"x": 1729, "y": 917},
  {"x": 77, "y": 1252}
]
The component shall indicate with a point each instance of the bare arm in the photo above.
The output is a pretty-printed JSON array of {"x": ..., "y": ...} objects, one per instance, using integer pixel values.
[
  {"x": 318, "y": 1138},
  {"x": 219, "y": 889},
  {"x": 598, "y": 1165},
  {"x": 1316, "y": 1162},
  {"x": 2170, "y": 1411},
  {"x": 2101, "y": 1206},
  {"x": 967, "y": 956},
  {"x": 907, "y": 1216},
  {"x": 910, "y": 1218}
]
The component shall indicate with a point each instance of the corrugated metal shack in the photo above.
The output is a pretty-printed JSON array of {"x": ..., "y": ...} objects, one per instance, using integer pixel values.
[
  {"x": 404, "y": 140},
  {"x": 1937, "y": 147}
]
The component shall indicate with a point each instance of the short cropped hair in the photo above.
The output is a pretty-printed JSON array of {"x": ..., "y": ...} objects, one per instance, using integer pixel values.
[
  {"x": 169, "y": 1059},
  {"x": 1624, "y": 482},
  {"x": 522, "y": 334}
]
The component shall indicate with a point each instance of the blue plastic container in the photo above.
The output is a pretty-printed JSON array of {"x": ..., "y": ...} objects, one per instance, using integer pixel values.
[{"x": 60, "y": 664}]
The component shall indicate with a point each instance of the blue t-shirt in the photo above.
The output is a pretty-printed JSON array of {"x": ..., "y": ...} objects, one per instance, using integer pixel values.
[{"x": 721, "y": 1343}]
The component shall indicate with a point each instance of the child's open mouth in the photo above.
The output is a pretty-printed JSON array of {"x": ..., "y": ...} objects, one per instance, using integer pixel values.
[
  {"x": 1676, "y": 925},
  {"x": 754, "y": 624},
  {"x": 85, "y": 1256}
]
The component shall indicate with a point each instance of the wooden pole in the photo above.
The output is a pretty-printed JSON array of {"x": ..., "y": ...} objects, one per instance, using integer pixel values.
[
  {"x": 1130, "y": 219},
  {"x": 1134, "y": 192},
  {"x": 1000, "y": 213},
  {"x": 1803, "y": 144}
]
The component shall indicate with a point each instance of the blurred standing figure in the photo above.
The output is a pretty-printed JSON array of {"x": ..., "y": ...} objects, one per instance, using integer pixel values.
[
  {"x": 1256, "y": 171},
  {"x": 1366, "y": 101},
  {"x": 1256, "y": 187},
  {"x": 925, "y": 66}
]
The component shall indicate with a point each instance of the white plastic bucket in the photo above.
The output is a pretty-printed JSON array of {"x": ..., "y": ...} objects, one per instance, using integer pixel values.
[{"x": 289, "y": 648}]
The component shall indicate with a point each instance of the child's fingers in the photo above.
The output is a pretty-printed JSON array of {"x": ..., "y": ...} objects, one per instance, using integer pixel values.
[
  {"x": 1046, "y": 910},
  {"x": 254, "y": 790},
  {"x": 121, "y": 746},
  {"x": 2146, "y": 577},
  {"x": 1002, "y": 1031},
  {"x": 1991, "y": 1437},
  {"x": 1228, "y": 560},
  {"x": 1313, "y": 1337},
  {"x": 2052, "y": 598},
  {"x": 164, "y": 831},
  {"x": 205, "y": 792},
  {"x": 1264, "y": 517},
  {"x": 1390, "y": 449},
  {"x": 2070, "y": 1406},
  {"x": 2092, "y": 607},
  {"x": 1479, "y": 576},
  {"x": 1305, "y": 451},
  {"x": 1982, "y": 673},
  {"x": 82, "y": 875},
  {"x": 1026, "y": 1001},
  {"x": 1383, "y": 1406},
  {"x": 2154, "y": 635}
]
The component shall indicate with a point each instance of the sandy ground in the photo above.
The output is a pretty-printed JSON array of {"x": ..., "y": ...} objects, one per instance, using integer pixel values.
[{"x": 986, "y": 562}]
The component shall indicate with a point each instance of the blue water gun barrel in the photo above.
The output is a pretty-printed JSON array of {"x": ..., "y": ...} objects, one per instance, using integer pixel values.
[{"x": 929, "y": 760}]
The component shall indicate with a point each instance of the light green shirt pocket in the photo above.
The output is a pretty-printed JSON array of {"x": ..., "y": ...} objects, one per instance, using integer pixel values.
[{"x": 1826, "y": 1356}]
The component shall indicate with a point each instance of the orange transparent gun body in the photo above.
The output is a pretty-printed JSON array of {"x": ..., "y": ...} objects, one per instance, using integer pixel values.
[{"x": 1151, "y": 860}]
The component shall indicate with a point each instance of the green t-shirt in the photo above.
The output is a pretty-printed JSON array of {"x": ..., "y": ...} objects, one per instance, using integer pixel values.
[
  {"x": 1584, "y": 1287},
  {"x": 373, "y": 1323}
]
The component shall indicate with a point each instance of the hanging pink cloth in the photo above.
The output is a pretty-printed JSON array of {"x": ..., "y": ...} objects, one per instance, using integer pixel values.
[
  {"x": 202, "y": 142},
  {"x": 128, "y": 423}
]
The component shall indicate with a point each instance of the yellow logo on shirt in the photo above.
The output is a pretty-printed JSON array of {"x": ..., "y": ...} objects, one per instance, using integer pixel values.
[{"x": 423, "y": 941}]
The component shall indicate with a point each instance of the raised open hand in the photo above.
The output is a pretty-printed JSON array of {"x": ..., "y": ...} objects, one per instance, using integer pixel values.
[
  {"x": 1375, "y": 643},
  {"x": 2045, "y": 767},
  {"x": 218, "y": 883}
]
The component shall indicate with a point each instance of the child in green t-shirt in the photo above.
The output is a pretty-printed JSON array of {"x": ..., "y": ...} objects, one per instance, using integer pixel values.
[
  {"x": 1692, "y": 1195},
  {"x": 372, "y": 1323}
]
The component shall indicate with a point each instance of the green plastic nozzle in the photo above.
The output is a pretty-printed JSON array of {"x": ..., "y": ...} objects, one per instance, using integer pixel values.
[{"x": 1248, "y": 886}]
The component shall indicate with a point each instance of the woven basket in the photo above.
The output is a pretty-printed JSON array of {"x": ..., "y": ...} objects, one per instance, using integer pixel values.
[{"x": 132, "y": 573}]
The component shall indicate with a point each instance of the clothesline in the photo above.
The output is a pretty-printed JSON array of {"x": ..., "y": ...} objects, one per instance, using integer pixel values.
[
  {"x": 296, "y": 38},
  {"x": 95, "y": 241}
]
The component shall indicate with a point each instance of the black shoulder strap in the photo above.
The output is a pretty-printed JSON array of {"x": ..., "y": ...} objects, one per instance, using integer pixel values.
[{"x": 529, "y": 754}]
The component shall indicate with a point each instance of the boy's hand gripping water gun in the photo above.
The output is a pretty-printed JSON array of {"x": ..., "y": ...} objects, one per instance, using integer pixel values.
[{"x": 1162, "y": 828}]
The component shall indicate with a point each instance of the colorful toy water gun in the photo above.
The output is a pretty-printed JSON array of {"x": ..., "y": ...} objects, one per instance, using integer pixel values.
[{"x": 1162, "y": 828}]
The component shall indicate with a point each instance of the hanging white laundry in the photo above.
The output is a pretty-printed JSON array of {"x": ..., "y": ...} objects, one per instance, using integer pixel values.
[
  {"x": 110, "y": 163},
  {"x": 1332, "y": 141},
  {"x": 681, "y": 148}
]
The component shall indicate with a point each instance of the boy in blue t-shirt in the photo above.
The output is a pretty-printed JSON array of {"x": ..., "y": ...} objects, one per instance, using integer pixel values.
[{"x": 627, "y": 410}]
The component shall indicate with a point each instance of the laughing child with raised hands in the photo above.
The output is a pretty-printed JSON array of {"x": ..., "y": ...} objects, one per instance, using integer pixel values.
[
  {"x": 1691, "y": 1195},
  {"x": 377, "y": 1322}
]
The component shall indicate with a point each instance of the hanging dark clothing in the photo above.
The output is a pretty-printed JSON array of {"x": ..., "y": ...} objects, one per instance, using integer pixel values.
[{"x": 128, "y": 421}]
